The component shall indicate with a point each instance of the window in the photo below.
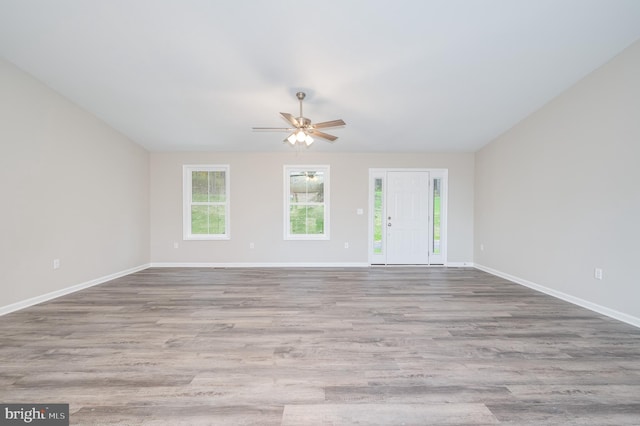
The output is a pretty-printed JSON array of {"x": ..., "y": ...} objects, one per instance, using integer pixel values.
[
  {"x": 437, "y": 210},
  {"x": 206, "y": 202},
  {"x": 378, "y": 212},
  {"x": 306, "y": 202}
]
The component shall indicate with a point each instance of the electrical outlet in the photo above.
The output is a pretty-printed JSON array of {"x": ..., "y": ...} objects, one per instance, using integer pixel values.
[
  {"x": 175, "y": 245},
  {"x": 346, "y": 245},
  {"x": 252, "y": 245},
  {"x": 597, "y": 273},
  {"x": 481, "y": 247},
  {"x": 56, "y": 263}
]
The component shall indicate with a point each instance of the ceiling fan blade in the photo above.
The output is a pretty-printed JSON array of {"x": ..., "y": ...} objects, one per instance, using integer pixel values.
[
  {"x": 274, "y": 129},
  {"x": 325, "y": 124},
  {"x": 290, "y": 118},
  {"x": 323, "y": 135}
]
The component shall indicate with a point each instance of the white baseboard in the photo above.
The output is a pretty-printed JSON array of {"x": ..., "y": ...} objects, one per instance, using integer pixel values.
[
  {"x": 259, "y": 265},
  {"x": 68, "y": 290},
  {"x": 460, "y": 265},
  {"x": 289, "y": 265},
  {"x": 611, "y": 313}
]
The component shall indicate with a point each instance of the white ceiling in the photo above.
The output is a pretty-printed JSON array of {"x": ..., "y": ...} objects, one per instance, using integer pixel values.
[{"x": 422, "y": 75}]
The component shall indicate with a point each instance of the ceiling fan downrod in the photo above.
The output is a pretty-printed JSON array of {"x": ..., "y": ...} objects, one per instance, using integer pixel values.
[{"x": 300, "y": 96}]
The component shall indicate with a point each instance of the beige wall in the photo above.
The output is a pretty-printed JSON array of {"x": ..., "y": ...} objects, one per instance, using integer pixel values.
[
  {"x": 72, "y": 189},
  {"x": 257, "y": 207},
  {"x": 558, "y": 195}
]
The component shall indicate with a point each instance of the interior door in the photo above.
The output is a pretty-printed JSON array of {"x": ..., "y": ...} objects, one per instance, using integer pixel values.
[{"x": 407, "y": 218}]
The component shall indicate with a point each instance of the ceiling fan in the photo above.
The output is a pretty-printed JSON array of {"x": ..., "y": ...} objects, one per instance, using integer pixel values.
[{"x": 302, "y": 129}]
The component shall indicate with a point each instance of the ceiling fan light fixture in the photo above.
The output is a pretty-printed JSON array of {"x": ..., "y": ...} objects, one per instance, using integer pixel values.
[{"x": 301, "y": 128}]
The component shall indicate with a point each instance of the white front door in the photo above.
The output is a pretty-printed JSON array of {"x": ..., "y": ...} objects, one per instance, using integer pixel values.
[{"x": 408, "y": 216}]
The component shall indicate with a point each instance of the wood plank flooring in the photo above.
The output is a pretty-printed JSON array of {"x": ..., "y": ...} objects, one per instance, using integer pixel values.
[{"x": 368, "y": 346}]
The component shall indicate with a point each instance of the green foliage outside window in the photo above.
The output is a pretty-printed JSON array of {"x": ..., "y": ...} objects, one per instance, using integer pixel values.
[
  {"x": 306, "y": 202},
  {"x": 208, "y": 197},
  {"x": 377, "y": 217},
  {"x": 306, "y": 219},
  {"x": 207, "y": 220},
  {"x": 436, "y": 216}
]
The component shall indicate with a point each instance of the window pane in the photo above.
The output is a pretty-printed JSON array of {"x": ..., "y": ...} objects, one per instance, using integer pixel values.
[
  {"x": 377, "y": 217},
  {"x": 207, "y": 220},
  {"x": 306, "y": 187},
  {"x": 207, "y": 186},
  {"x": 436, "y": 215},
  {"x": 306, "y": 219},
  {"x": 200, "y": 186},
  {"x": 217, "y": 187}
]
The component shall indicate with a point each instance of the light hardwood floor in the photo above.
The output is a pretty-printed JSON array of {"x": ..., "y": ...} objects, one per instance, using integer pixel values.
[{"x": 374, "y": 346}]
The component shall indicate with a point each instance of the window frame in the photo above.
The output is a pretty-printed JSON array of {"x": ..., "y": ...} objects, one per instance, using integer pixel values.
[
  {"x": 287, "y": 170},
  {"x": 187, "y": 202}
]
